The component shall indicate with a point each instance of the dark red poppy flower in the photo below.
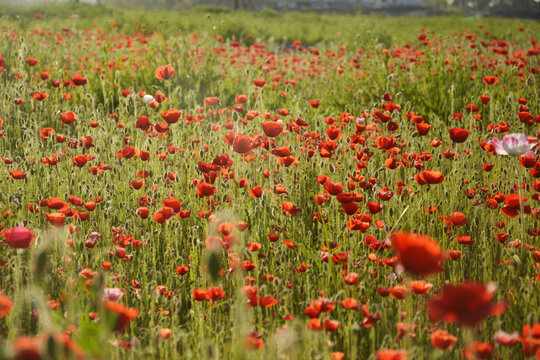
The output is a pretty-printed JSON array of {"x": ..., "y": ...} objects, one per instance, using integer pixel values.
[
  {"x": 204, "y": 189},
  {"x": 259, "y": 82},
  {"x": 458, "y": 135},
  {"x": 31, "y": 61},
  {"x": 78, "y": 80},
  {"x": 256, "y": 191},
  {"x": 467, "y": 304},
  {"x": 314, "y": 103},
  {"x": 272, "y": 128},
  {"x": 423, "y": 128}
]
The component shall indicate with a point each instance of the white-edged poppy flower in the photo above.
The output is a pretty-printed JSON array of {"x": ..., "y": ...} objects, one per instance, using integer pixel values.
[
  {"x": 513, "y": 144},
  {"x": 113, "y": 294}
]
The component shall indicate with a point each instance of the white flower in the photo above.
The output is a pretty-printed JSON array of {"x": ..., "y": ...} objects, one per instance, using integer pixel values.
[
  {"x": 113, "y": 294},
  {"x": 513, "y": 144},
  {"x": 147, "y": 99}
]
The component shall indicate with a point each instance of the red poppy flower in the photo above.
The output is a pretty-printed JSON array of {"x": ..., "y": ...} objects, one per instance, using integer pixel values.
[
  {"x": 458, "y": 135},
  {"x": 127, "y": 152},
  {"x": 387, "y": 354},
  {"x": 259, "y": 82},
  {"x": 80, "y": 160},
  {"x": 442, "y": 339},
  {"x": 164, "y": 72},
  {"x": 256, "y": 191},
  {"x": 423, "y": 128},
  {"x": 350, "y": 303},
  {"x": 333, "y": 188},
  {"x": 374, "y": 207},
  {"x": 199, "y": 294},
  {"x": 56, "y": 219},
  {"x": 457, "y": 218},
  {"x": 182, "y": 270},
  {"x": 31, "y": 61},
  {"x": 420, "y": 287},
  {"x": 333, "y": 133},
  {"x": 429, "y": 177},
  {"x": 78, "y": 80},
  {"x": 530, "y": 339},
  {"x": 171, "y": 116},
  {"x": 124, "y": 313},
  {"x": 209, "y": 101},
  {"x": 5, "y": 306},
  {"x": 241, "y": 99},
  {"x": 331, "y": 325},
  {"x": 19, "y": 237},
  {"x": 205, "y": 189},
  {"x": 40, "y": 96},
  {"x": 467, "y": 304},
  {"x": 490, "y": 80},
  {"x": 288, "y": 208},
  {"x": 478, "y": 351},
  {"x": 242, "y": 144},
  {"x": 418, "y": 254},
  {"x": 253, "y": 343},
  {"x": 142, "y": 212},
  {"x": 399, "y": 292},
  {"x": 28, "y": 347},
  {"x": 272, "y": 128},
  {"x": 267, "y": 301},
  {"x": 165, "y": 333},
  {"x": 314, "y": 103},
  {"x": 18, "y": 174}
]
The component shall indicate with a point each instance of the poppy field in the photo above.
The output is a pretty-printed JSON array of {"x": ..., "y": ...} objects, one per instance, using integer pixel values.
[{"x": 217, "y": 185}]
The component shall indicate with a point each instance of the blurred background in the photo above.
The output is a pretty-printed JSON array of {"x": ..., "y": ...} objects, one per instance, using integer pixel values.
[{"x": 506, "y": 8}]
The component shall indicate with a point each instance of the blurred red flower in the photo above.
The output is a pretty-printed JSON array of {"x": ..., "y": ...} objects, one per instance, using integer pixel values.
[
  {"x": 418, "y": 254},
  {"x": 466, "y": 304}
]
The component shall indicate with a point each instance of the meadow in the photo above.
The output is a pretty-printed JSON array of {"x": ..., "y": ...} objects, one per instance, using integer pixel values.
[{"x": 210, "y": 184}]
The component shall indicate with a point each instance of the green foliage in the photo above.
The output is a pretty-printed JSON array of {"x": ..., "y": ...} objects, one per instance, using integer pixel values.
[{"x": 347, "y": 62}]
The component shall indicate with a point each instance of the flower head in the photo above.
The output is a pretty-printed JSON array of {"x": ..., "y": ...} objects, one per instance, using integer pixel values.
[
  {"x": 513, "y": 144},
  {"x": 467, "y": 304},
  {"x": 113, "y": 294},
  {"x": 19, "y": 237},
  {"x": 418, "y": 254},
  {"x": 147, "y": 99}
]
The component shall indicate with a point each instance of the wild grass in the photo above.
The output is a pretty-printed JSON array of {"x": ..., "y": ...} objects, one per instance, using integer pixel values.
[{"x": 359, "y": 59}]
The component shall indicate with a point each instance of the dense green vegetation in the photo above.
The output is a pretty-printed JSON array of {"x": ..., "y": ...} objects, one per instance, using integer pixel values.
[{"x": 199, "y": 208}]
